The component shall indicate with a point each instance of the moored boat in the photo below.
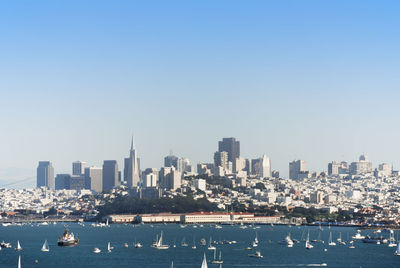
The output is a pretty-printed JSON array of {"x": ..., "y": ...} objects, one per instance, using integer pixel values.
[
  {"x": 374, "y": 240},
  {"x": 257, "y": 254}
]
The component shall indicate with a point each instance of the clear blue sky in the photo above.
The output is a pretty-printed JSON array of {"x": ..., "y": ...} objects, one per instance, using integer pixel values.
[{"x": 315, "y": 80}]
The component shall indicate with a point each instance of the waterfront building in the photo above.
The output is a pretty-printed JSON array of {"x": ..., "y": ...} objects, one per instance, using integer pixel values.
[
  {"x": 45, "y": 175},
  {"x": 78, "y": 168},
  {"x": 110, "y": 174}
]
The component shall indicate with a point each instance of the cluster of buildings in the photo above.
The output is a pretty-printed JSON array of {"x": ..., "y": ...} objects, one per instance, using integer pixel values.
[
  {"x": 230, "y": 179},
  {"x": 39, "y": 200},
  {"x": 151, "y": 182}
]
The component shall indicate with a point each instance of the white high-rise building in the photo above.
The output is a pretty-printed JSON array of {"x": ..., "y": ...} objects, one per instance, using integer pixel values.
[
  {"x": 265, "y": 170},
  {"x": 150, "y": 178}
]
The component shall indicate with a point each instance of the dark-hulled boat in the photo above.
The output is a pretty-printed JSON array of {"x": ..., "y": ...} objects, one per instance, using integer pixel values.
[{"x": 67, "y": 239}]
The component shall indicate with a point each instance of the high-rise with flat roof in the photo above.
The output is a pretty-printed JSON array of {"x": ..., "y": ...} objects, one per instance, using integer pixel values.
[
  {"x": 78, "y": 168},
  {"x": 94, "y": 179},
  {"x": 231, "y": 146},
  {"x": 45, "y": 175},
  {"x": 110, "y": 174},
  {"x": 296, "y": 167}
]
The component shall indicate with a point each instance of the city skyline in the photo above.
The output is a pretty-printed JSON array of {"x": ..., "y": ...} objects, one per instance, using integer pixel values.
[
  {"x": 123, "y": 164},
  {"x": 300, "y": 80}
]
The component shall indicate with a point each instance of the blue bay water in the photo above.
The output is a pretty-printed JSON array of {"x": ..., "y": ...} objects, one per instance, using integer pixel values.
[{"x": 234, "y": 255}]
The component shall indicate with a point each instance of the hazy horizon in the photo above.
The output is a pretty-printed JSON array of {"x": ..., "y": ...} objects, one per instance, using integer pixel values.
[{"x": 310, "y": 80}]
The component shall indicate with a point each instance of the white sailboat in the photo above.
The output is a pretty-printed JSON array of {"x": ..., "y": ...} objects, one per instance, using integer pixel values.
[
  {"x": 45, "y": 247},
  {"x": 109, "y": 247},
  {"x": 204, "y": 263},
  {"x": 392, "y": 241},
  {"x": 255, "y": 242},
  {"x": 159, "y": 244},
  {"x": 18, "y": 248},
  {"x": 219, "y": 260},
  {"x": 194, "y": 244},
  {"x": 397, "y": 252},
  {"x": 19, "y": 261},
  {"x": 331, "y": 243},
  {"x": 210, "y": 246},
  {"x": 183, "y": 243},
  {"x": 340, "y": 241},
  {"x": 308, "y": 244},
  {"x": 96, "y": 250},
  {"x": 287, "y": 241}
]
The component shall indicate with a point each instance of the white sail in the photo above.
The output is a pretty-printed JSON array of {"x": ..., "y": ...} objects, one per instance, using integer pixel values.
[
  {"x": 159, "y": 243},
  {"x": 19, "y": 261},
  {"x": 45, "y": 246},
  {"x": 397, "y": 252},
  {"x": 204, "y": 263},
  {"x": 109, "y": 247},
  {"x": 331, "y": 243}
]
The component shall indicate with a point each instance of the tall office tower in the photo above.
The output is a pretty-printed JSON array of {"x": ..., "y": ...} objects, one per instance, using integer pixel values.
[
  {"x": 249, "y": 166},
  {"x": 110, "y": 174},
  {"x": 45, "y": 175},
  {"x": 94, "y": 179},
  {"x": 131, "y": 168},
  {"x": 295, "y": 168},
  {"x": 231, "y": 146},
  {"x": 221, "y": 159},
  {"x": 78, "y": 168},
  {"x": 265, "y": 171},
  {"x": 333, "y": 168},
  {"x": 171, "y": 161},
  {"x": 62, "y": 181}
]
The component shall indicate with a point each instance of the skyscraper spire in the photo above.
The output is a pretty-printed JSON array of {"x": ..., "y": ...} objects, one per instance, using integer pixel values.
[
  {"x": 131, "y": 168},
  {"x": 133, "y": 142}
]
